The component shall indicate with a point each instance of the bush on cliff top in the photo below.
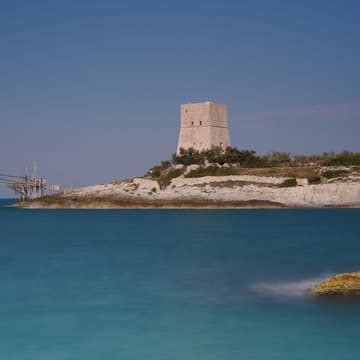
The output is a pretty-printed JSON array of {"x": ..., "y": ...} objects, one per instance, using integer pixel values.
[
  {"x": 189, "y": 157},
  {"x": 275, "y": 163},
  {"x": 217, "y": 155},
  {"x": 164, "y": 173},
  {"x": 345, "y": 158},
  {"x": 314, "y": 180},
  {"x": 289, "y": 183},
  {"x": 331, "y": 174},
  {"x": 211, "y": 171},
  {"x": 156, "y": 171},
  {"x": 165, "y": 180},
  {"x": 249, "y": 158}
]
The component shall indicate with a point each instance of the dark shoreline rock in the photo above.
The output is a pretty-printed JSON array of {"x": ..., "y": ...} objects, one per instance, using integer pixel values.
[{"x": 58, "y": 202}]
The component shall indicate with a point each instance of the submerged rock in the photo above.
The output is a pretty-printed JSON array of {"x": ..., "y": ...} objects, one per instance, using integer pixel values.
[{"x": 346, "y": 284}]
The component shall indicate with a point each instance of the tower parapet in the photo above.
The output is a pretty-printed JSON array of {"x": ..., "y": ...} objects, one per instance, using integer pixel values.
[{"x": 203, "y": 125}]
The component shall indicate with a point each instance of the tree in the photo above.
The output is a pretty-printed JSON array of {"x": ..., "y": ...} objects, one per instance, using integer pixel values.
[{"x": 188, "y": 157}]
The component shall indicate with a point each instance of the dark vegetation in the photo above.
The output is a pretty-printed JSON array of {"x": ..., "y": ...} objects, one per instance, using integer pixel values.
[
  {"x": 331, "y": 174},
  {"x": 249, "y": 158},
  {"x": 164, "y": 173},
  {"x": 165, "y": 180},
  {"x": 56, "y": 201},
  {"x": 314, "y": 179},
  {"x": 289, "y": 183},
  {"x": 212, "y": 171},
  {"x": 248, "y": 162},
  {"x": 158, "y": 169},
  {"x": 345, "y": 158},
  {"x": 216, "y": 155}
]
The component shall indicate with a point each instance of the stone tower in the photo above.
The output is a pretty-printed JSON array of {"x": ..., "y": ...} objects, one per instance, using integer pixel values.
[{"x": 203, "y": 125}]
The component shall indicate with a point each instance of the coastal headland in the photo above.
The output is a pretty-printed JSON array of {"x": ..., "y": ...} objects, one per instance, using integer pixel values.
[
  {"x": 206, "y": 172},
  {"x": 214, "y": 185}
]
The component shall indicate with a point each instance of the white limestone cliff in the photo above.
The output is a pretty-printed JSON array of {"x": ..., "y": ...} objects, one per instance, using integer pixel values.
[{"x": 239, "y": 188}]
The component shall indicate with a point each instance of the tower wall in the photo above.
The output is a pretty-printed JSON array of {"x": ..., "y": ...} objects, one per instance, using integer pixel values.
[{"x": 203, "y": 125}]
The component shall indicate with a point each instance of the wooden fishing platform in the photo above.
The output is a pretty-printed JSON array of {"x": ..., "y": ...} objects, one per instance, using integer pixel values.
[{"x": 28, "y": 187}]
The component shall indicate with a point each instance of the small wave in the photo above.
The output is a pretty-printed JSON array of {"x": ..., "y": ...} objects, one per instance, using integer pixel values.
[{"x": 297, "y": 288}]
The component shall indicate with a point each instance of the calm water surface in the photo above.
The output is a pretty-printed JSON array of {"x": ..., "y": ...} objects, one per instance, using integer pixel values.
[{"x": 169, "y": 285}]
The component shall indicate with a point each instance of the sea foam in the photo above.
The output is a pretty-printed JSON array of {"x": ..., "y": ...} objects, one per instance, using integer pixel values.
[{"x": 297, "y": 288}]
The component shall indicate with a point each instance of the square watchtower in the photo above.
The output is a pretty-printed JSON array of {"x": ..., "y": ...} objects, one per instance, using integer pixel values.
[{"x": 203, "y": 125}]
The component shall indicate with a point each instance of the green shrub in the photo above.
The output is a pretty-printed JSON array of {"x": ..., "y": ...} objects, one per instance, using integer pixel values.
[
  {"x": 157, "y": 170},
  {"x": 188, "y": 157},
  {"x": 331, "y": 174},
  {"x": 246, "y": 158},
  {"x": 345, "y": 158},
  {"x": 155, "y": 173},
  {"x": 289, "y": 183},
  {"x": 211, "y": 171},
  {"x": 314, "y": 179},
  {"x": 217, "y": 155},
  {"x": 165, "y": 179}
]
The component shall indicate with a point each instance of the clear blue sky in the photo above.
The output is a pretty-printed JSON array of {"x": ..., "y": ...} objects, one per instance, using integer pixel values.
[{"x": 91, "y": 89}]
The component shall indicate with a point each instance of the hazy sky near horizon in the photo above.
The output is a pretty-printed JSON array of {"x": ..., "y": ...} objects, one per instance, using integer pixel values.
[{"x": 91, "y": 89}]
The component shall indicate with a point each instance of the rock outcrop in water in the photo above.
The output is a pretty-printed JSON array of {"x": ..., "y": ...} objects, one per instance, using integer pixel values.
[{"x": 346, "y": 284}]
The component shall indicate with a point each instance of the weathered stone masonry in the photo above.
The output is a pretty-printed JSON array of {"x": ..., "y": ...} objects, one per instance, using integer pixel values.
[{"x": 203, "y": 125}]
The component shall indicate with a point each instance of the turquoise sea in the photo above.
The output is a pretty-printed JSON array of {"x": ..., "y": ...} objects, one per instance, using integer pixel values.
[{"x": 175, "y": 284}]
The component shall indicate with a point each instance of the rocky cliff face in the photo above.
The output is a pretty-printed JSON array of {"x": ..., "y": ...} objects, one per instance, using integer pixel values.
[{"x": 217, "y": 191}]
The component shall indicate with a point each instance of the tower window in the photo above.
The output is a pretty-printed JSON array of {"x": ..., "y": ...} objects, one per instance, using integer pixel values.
[
  {"x": 200, "y": 122},
  {"x": 192, "y": 123}
]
